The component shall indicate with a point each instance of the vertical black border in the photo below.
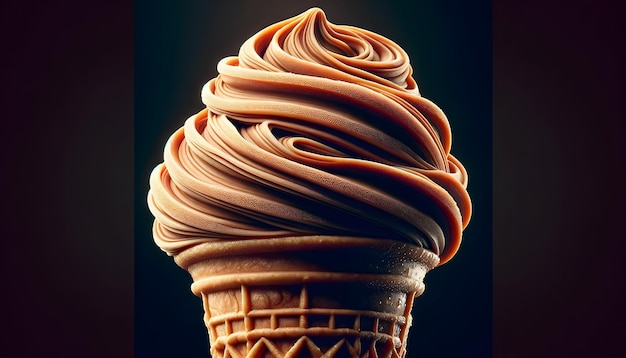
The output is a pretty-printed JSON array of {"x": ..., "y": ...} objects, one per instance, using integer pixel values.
[
  {"x": 559, "y": 198},
  {"x": 67, "y": 179}
]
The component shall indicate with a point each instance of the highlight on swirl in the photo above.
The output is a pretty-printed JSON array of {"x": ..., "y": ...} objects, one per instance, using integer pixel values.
[{"x": 314, "y": 128}]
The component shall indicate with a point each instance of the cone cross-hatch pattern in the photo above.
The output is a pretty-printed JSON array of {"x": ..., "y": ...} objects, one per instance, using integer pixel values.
[{"x": 358, "y": 333}]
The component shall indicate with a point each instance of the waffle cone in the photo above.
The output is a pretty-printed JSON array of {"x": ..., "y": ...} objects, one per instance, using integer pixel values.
[{"x": 313, "y": 296}]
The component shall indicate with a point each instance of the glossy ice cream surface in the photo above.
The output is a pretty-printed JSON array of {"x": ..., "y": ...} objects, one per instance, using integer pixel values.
[{"x": 314, "y": 129}]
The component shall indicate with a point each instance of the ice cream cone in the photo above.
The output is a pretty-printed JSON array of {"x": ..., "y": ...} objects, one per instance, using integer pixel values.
[
  {"x": 310, "y": 296},
  {"x": 314, "y": 128}
]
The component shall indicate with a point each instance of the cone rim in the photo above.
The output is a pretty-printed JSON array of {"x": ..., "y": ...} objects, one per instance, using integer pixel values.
[{"x": 237, "y": 247}]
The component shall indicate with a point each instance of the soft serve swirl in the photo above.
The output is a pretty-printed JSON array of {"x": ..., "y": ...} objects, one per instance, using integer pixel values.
[{"x": 315, "y": 128}]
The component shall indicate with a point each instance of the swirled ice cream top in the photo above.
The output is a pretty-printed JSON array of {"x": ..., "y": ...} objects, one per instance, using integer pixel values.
[{"x": 313, "y": 129}]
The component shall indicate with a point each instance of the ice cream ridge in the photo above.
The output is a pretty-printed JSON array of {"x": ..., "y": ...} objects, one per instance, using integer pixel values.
[{"x": 311, "y": 195}]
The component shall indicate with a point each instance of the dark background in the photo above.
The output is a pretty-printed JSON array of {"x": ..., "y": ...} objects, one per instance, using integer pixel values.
[
  {"x": 177, "y": 49},
  {"x": 68, "y": 172}
]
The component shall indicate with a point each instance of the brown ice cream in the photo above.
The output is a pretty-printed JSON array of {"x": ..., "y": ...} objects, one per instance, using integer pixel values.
[{"x": 315, "y": 144}]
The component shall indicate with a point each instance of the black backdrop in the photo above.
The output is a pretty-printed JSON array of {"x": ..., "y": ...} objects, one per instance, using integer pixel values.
[
  {"x": 69, "y": 164},
  {"x": 176, "y": 51}
]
